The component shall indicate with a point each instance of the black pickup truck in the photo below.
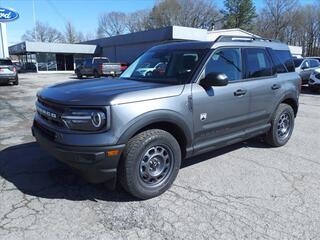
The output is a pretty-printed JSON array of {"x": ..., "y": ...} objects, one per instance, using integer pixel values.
[{"x": 99, "y": 66}]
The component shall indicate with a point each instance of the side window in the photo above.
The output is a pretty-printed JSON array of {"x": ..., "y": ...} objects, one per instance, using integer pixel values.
[
  {"x": 286, "y": 59},
  {"x": 314, "y": 63},
  {"x": 305, "y": 64},
  {"x": 257, "y": 63},
  {"x": 227, "y": 61}
]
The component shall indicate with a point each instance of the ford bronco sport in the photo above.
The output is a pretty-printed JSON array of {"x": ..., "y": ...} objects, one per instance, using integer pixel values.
[{"x": 138, "y": 128}]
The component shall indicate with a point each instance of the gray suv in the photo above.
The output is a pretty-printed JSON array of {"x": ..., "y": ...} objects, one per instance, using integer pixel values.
[{"x": 138, "y": 128}]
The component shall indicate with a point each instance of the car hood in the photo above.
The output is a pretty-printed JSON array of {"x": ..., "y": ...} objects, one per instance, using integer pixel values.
[{"x": 103, "y": 92}]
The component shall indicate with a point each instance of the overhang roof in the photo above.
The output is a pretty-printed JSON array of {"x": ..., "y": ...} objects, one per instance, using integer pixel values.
[{"x": 45, "y": 47}]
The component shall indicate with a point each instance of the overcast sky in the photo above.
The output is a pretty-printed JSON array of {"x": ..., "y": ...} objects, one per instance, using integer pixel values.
[{"x": 82, "y": 13}]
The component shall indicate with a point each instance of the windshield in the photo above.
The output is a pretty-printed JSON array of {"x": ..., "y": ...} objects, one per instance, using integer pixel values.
[
  {"x": 164, "y": 65},
  {"x": 297, "y": 62}
]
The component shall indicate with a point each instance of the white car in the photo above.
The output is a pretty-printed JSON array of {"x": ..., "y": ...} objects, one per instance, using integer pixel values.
[
  {"x": 145, "y": 71},
  {"x": 314, "y": 81}
]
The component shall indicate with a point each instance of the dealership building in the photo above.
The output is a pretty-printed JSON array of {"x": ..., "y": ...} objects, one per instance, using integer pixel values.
[{"x": 121, "y": 48}]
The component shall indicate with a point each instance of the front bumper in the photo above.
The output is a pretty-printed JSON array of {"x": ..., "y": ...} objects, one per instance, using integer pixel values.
[
  {"x": 91, "y": 162},
  {"x": 314, "y": 83}
]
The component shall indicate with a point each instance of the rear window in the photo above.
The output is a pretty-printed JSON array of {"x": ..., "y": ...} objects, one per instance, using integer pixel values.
[
  {"x": 101, "y": 61},
  {"x": 286, "y": 59},
  {"x": 5, "y": 62}
]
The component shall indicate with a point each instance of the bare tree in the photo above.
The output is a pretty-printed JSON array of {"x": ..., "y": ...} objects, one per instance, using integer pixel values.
[
  {"x": 42, "y": 33},
  {"x": 137, "y": 21},
  {"x": 71, "y": 35},
  {"x": 188, "y": 13},
  {"x": 290, "y": 23},
  {"x": 111, "y": 24},
  {"x": 275, "y": 17}
]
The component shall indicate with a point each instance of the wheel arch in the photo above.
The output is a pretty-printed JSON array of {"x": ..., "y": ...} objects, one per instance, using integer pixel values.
[
  {"x": 293, "y": 103},
  {"x": 169, "y": 121},
  {"x": 291, "y": 99}
]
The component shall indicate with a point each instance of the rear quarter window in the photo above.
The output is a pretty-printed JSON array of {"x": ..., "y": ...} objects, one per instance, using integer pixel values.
[
  {"x": 279, "y": 67},
  {"x": 286, "y": 59}
]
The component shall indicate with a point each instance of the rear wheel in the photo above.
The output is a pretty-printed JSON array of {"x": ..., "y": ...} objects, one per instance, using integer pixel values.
[
  {"x": 16, "y": 82},
  {"x": 96, "y": 74},
  {"x": 281, "y": 126},
  {"x": 150, "y": 163},
  {"x": 79, "y": 76}
]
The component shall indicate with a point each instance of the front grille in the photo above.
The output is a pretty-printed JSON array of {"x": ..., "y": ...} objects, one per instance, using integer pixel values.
[{"x": 50, "y": 112}]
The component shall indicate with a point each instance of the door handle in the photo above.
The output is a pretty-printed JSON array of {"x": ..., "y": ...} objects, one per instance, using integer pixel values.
[
  {"x": 240, "y": 92},
  {"x": 275, "y": 86}
]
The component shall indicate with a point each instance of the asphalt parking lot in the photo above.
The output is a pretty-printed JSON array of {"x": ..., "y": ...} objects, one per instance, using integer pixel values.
[{"x": 244, "y": 191}]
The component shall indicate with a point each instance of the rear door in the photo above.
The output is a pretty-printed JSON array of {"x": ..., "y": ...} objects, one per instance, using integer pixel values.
[
  {"x": 265, "y": 85},
  {"x": 220, "y": 113}
]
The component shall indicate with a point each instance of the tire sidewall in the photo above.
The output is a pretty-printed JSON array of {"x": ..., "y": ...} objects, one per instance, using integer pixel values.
[{"x": 282, "y": 109}]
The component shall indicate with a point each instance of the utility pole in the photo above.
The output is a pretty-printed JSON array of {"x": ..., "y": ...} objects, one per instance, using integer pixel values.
[{"x": 34, "y": 19}]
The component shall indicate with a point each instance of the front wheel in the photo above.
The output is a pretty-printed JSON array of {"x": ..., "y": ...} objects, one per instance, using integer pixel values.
[
  {"x": 150, "y": 163},
  {"x": 282, "y": 124}
]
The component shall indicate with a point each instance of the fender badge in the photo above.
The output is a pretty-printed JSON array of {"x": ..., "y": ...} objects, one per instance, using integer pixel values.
[{"x": 203, "y": 116}]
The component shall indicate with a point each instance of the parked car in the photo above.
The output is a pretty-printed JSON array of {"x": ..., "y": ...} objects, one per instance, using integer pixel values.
[
  {"x": 29, "y": 67},
  {"x": 314, "y": 81},
  {"x": 149, "y": 68},
  {"x": 305, "y": 67},
  {"x": 18, "y": 67},
  {"x": 8, "y": 72},
  {"x": 99, "y": 66},
  {"x": 138, "y": 128}
]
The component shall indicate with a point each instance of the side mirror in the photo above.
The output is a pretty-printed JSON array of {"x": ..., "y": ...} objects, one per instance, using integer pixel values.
[{"x": 214, "y": 79}]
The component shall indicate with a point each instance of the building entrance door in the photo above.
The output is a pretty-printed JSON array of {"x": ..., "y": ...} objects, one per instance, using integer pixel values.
[{"x": 64, "y": 62}]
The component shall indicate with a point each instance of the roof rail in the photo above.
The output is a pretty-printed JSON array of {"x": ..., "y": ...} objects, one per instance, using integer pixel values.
[{"x": 230, "y": 38}]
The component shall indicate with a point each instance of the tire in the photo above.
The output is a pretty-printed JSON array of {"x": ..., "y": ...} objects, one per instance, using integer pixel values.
[
  {"x": 16, "y": 82},
  {"x": 79, "y": 75},
  {"x": 282, "y": 125},
  {"x": 150, "y": 163},
  {"x": 96, "y": 74}
]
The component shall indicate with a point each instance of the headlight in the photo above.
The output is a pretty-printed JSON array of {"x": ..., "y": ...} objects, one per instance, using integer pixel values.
[{"x": 84, "y": 120}]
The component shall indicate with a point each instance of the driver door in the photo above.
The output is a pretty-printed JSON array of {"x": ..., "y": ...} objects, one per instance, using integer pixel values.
[{"x": 220, "y": 113}]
